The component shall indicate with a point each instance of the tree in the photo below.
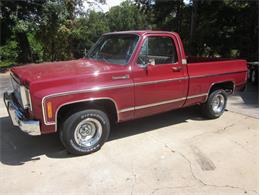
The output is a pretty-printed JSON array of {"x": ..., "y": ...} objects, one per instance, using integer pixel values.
[
  {"x": 54, "y": 31},
  {"x": 50, "y": 22},
  {"x": 223, "y": 29},
  {"x": 43, "y": 30},
  {"x": 87, "y": 29},
  {"x": 126, "y": 17},
  {"x": 16, "y": 19}
]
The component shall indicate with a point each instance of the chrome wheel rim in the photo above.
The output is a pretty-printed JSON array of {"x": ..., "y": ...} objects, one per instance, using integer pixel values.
[
  {"x": 218, "y": 103},
  {"x": 88, "y": 132}
]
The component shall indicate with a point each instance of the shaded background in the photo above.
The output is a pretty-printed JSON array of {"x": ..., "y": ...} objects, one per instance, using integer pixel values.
[{"x": 51, "y": 30}]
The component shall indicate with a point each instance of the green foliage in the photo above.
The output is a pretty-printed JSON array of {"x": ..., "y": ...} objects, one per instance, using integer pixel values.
[
  {"x": 49, "y": 30},
  {"x": 228, "y": 32},
  {"x": 86, "y": 30},
  {"x": 36, "y": 47},
  {"x": 6, "y": 64},
  {"x": 126, "y": 17},
  {"x": 9, "y": 53},
  {"x": 54, "y": 31},
  {"x": 224, "y": 28}
]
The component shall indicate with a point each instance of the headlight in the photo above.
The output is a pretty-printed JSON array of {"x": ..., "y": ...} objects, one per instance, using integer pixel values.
[
  {"x": 25, "y": 97},
  {"x": 22, "y": 94}
]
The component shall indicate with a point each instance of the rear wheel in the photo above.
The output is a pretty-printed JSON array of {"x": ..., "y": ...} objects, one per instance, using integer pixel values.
[
  {"x": 215, "y": 105},
  {"x": 85, "y": 132}
]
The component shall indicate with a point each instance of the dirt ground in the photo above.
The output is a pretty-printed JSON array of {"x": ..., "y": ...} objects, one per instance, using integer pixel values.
[{"x": 177, "y": 152}]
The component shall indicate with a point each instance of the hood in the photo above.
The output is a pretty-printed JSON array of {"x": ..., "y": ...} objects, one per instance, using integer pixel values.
[{"x": 59, "y": 70}]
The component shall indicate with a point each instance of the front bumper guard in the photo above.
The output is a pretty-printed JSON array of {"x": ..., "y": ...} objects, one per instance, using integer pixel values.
[{"x": 31, "y": 127}]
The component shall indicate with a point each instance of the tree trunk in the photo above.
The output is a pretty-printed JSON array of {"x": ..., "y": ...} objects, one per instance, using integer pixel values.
[
  {"x": 179, "y": 16},
  {"x": 194, "y": 14},
  {"x": 25, "y": 54}
]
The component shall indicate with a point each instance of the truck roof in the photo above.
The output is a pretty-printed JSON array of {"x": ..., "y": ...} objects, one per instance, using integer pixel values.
[{"x": 139, "y": 32}]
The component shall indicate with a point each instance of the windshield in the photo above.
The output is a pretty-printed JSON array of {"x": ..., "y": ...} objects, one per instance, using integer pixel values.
[{"x": 116, "y": 48}]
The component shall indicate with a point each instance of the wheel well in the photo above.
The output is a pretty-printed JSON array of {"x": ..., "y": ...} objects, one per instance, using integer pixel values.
[
  {"x": 228, "y": 86},
  {"x": 106, "y": 105}
]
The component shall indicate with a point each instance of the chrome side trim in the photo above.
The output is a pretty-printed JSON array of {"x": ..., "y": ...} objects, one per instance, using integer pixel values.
[
  {"x": 220, "y": 74},
  {"x": 195, "y": 96},
  {"x": 89, "y": 90},
  {"x": 99, "y": 89},
  {"x": 123, "y": 110},
  {"x": 134, "y": 84},
  {"x": 160, "y": 81},
  {"x": 127, "y": 109},
  {"x": 120, "y": 77},
  {"x": 84, "y": 100},
  {"x": 76, "y": 92},
  {"x": 152, "y": 105},
  {"x": 130, "y": 85},
  {"x": 161, "y": 103}
]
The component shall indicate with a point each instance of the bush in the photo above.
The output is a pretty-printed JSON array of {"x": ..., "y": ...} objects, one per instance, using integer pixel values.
[{"x": 8, "y": 53}]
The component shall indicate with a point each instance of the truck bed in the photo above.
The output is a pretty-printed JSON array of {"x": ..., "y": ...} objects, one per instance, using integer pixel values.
[{"x": 206, "y": 72}]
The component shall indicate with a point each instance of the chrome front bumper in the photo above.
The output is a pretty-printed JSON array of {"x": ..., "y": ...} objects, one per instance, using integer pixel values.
[{"x": 31, "y": 127}]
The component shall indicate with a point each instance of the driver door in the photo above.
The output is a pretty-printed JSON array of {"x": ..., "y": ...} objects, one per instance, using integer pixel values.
[{"x": 160, "y": 79}]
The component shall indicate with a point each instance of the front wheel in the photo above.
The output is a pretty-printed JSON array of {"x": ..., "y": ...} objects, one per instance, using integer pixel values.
[
  {"x": 215, "y": 105},
  {"x": 85, "y": 132}
]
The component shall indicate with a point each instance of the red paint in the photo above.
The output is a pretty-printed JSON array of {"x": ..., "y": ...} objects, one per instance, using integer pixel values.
[{"x": 47, "y": 79}]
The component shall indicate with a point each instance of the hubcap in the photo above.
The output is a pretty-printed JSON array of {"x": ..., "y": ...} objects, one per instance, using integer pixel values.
[
  {"x": 88, "y": 132},
  {"x": 218, "y": 103}
]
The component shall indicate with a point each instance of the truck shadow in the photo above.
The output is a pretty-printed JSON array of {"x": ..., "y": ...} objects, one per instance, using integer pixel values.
[
  {"x": 155, "y": 122},
  {"x": 246, "y": 102},
  {"x": 18, "y": 148},
  {"x": 250, "y": 97}
]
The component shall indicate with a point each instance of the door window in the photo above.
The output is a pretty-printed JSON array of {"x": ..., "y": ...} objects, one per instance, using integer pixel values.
[{"x": 159, "y": 49}]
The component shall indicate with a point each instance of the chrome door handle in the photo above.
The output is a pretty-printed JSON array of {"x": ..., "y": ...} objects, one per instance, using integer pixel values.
[
  {"x": 177, "y": 68},
  {"x": 120, "y": 77}
]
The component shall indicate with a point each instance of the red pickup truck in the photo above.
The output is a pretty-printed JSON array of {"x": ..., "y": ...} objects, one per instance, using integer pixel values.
[{"x": 125, "y": 75}]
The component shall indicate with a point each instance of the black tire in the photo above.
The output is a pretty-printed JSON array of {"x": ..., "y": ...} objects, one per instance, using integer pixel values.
[
  {"x": 255, "y": 77},
  {"x": 207, "y": 108},
  {"x": 72, "y": 127}
]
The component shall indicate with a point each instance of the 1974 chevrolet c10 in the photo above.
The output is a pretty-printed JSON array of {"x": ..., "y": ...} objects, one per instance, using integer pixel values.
[{"x": 125, "y": 75}]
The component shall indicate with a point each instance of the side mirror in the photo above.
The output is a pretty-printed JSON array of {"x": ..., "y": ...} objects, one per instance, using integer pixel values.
[
  {"x": 151, "y": 62},
  {"x": 146, "y": 63},
  {"x": 150, "y": 65}
]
